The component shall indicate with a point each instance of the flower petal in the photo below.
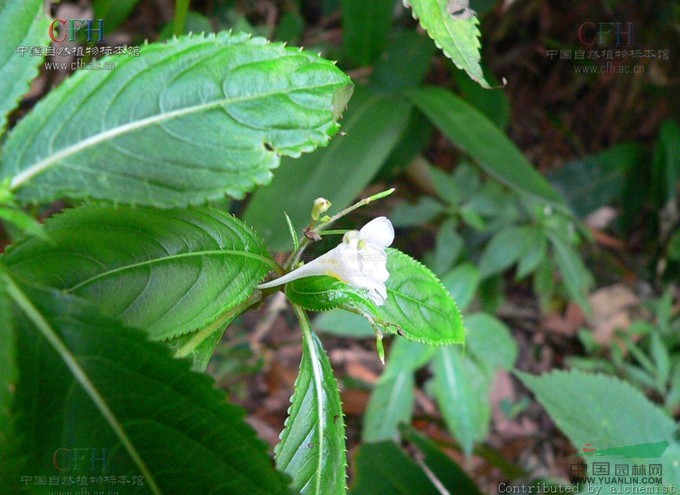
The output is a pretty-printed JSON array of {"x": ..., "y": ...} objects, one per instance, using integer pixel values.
[{"x": 378, "y": 231}]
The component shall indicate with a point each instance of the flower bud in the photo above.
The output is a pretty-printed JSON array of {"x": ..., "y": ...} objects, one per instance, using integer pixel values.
[{"x": 320, "y": 207}]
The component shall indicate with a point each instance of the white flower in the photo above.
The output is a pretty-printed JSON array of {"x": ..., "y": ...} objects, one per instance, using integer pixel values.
[{"x": 359, "y": 261}]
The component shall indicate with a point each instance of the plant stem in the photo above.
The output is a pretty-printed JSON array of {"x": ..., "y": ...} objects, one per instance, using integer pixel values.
[
  {"x": 304, "y": 241},
  {"x": 181, "y": 9}
]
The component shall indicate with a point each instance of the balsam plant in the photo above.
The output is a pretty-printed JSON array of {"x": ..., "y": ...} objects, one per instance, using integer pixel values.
[{"x": 110, "y": 311}]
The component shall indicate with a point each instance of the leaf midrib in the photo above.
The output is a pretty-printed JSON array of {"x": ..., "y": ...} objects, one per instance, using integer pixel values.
[
  {"x": 173, "y": 257},
  {"x": 54, "y": 158},
  {"x": 317, "y": 376},
  {"x": 70, "y": 360}
]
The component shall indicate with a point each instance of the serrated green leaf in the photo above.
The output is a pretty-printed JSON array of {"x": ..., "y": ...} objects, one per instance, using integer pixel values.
[
  {"x": 457, "y": 36},
  {"x": 168, "y": 272},
  {"x": 323, "y": 293},
  {"x": 563, "y": 393},
  {"x": 382, "y": 468},
  {"x": 373, "y": 126},
  {"x": 364, "y": 27},
  {"x": 87, "y": 382},
  {"x": 470, "y": 130},
  {"x": 22, "y": 24},
  {"x": 607, "y": 413},
  {"x": 462, "y": 392},
  {"x": 419, "y": 304},
  {"x": 218, "y": 111},
  {"x": 312, "y": 447},
  {"x": 450, "y": 474}
]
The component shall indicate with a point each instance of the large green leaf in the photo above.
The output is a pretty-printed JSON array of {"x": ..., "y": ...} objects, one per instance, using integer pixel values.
[
  {"x": 23, "y": 25},
  {"x": 608, "y": 414},
  {"x": 169, "y": 272},
  {"x": 418, "y": 303},
  {"x": 599, "y": 409},
  {"x": 312, "y": 447},
  {"x": 373, "y": 124},
  {"x": 382, "y": 468},
  {"x": 87, "y": 382},
  {"x": 475, "y": 134},
  {"x": 217, "y": 112},
  {"x": 456, "y": 35},
  {"x": 364, "y": 27},
  {"x": 462, "y": 392}
]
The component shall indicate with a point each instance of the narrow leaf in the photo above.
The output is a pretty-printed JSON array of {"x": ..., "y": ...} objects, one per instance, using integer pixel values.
[
  {"x": 312, "y": 447},
  {"x": 456, "y": 34},
  {"x": 364, "y": 27},
  {"x": 211, "y": 122},
  {"x": 169, "y": 272},
  {"x": 475, "y": 134},
  {"x": 393, "y": 397},
  {"x": 23, "y": 25},
  {"x": 462, "y": 392},
  {"x": 88, "y": 382}
]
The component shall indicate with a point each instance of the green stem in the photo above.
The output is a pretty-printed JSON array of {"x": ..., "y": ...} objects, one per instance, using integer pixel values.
[
  {"x": 202, "y": 334},
  {"x": 181, "y": 10},
  {"x": 304, "y": 241}
]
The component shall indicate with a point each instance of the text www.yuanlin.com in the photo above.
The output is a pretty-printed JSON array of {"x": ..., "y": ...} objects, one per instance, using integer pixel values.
[
  {"x": 609, "y": 68},
  {"x": 80, "y": 65}
]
